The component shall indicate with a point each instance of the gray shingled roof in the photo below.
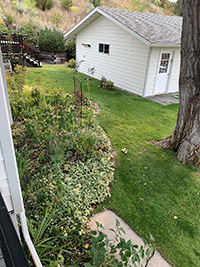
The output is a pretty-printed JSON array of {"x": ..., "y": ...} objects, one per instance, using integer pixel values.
[{"x": 155, "y": 28}]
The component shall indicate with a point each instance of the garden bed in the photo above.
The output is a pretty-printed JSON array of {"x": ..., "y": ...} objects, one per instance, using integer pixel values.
[{"x": 65, "y": 167}]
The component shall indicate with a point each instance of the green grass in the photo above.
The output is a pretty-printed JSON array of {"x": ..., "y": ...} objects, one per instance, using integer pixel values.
[{"x": 150, "y": 186}]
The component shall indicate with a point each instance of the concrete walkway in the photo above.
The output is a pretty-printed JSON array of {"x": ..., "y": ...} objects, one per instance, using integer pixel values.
[
  {"x": 165, "y": 99},
  {"x": 107, "y": 218}
]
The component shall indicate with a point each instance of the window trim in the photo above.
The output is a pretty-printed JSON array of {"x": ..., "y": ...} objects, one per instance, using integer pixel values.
[{"x": 104, "y": 49}]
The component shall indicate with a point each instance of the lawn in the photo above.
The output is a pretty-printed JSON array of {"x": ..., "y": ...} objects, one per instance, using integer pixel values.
[{"x": 150, "y": 185}]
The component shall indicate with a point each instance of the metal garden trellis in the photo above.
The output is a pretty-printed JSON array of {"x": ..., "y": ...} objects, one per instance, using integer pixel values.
[{"x": 78, "y": 93}]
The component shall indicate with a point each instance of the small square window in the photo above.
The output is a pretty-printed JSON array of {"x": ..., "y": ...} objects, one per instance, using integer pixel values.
[{"x": 104, "y": 48}]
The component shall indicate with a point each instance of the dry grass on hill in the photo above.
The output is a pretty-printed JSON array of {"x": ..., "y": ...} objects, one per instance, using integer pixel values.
[{"x": 68, "y": 19}]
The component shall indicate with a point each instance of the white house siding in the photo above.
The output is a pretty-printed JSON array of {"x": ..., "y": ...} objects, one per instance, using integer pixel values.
[
  {"x": 127, "y": 61},
  {"x": 4, "y": 186},
  {"x": 174, "y": 78},
  {"x": 153, "y": 69}
]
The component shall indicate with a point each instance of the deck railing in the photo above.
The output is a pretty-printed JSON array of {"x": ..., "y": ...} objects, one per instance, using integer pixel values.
[
  {"x": 31, "y": 51},
  {"x": 13, "y": 43}
]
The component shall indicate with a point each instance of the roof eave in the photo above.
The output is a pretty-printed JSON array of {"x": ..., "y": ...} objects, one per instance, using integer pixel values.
[
  {"x": 93, "y": 15},
  {"x": 166, "y": 45}
]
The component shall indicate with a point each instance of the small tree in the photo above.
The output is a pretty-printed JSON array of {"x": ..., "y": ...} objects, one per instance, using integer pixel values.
[
  {"x": 178, "y": 8},
  {"x": 185, "y": 139},
  {"x": 51, "y": 41},
  {"x": 44, "y": 4},
  {"x": 71, "y": 48}
]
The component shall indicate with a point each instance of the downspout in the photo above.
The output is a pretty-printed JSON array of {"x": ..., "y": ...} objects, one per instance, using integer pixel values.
[
  {"x": 147, "y": 73},
  {"x": 28, "y": 239}
]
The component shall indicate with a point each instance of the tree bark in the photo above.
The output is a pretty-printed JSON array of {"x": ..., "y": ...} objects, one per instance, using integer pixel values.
[{"x": 185, "y": 139}]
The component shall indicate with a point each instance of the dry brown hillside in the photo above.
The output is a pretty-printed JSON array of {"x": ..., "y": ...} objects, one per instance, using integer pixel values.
[{"x": 57, "y": 17}]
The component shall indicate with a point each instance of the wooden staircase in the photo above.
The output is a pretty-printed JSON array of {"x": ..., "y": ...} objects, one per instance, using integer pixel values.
[{"x": 15, "y": 44}]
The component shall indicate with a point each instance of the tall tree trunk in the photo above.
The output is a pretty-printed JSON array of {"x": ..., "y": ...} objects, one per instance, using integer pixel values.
[{"x": 186, "y": 136}]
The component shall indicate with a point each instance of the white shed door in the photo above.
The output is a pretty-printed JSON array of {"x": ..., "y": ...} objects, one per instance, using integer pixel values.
[{"x": 163, "y": 73}]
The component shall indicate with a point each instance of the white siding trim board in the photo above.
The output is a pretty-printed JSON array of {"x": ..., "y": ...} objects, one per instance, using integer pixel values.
[
  {"x": 7, "y": 152},
  {"x": 147, "y": 72}
]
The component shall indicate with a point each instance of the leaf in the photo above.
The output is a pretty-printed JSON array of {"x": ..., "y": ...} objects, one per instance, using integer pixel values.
[
  {"x": 121, "y": 229},
  {"x": 115, "y": 262},
  {"x": 145, "y": 241},
  {"x": 93, "y": 232},
  {"x": 112, "y": 230},
  {"x": 88, "y": 265},
  {"x": 117, "y": 223}
]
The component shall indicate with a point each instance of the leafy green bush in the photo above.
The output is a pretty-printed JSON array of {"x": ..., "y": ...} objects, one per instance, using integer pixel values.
[
  {"x": 51, "y": 41},
  {"x": 66, "y": 4},
  {"x": 44, "y": 4},
  {"x": 9, "y": 18},
  {"x": 57, "y": 19},
  {"x": 3, "y": 28},
  {"x": 71, "y": 48},
  {"x": 104, "y": 251},
  {"x": 29, "y": 30},
  {"x": 71, "y": 63},
  {"x": 96, "y": 2},
  {"x": 63, "y": 167}
]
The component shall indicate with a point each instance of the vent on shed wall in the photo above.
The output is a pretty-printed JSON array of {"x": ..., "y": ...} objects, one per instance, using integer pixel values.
[{"x": 4, "y": 187}]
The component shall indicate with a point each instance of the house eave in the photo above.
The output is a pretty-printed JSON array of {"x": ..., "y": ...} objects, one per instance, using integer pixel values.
[
  {"x": 166, "y": 45},
  {"x": 93, "y": 15}
]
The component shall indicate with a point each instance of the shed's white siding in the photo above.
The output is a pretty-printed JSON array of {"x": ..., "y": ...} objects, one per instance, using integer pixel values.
[
  {"x": 127, "y": 61},
  {"x": 153, "y": 69},
  {"x": 9, "y": 179},
  {"x": 175, "y": 71}
]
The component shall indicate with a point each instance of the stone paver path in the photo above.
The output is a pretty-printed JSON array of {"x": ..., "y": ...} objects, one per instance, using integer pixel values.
[{"x": 165, "y": 99}]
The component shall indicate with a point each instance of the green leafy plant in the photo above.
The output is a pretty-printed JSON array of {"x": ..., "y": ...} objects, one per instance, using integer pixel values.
[
  {"x": 96, "y": 2},
  {"x": 51, "y": 41},
  {"x": 9, "y": 18},
  {"x": 29, "y": 31},
  {"x": 57, "y": 19},
  {"x": 108, "y": 84},
  {"x": 47, "y": 247},
  {"x": 71, "y": 48},
  {"x": 3, "y": 28},
  {"x": 66, "y": 4},
  {"x": 104, "y": 250},
  {"x": 23, "y": 163},
  {"x": 72, "y": 63},
  {"x": 44, "y": 4},
  {"x": 103, "y": 80}
]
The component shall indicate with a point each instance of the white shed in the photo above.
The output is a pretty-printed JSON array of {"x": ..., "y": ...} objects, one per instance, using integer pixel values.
[{"x": 140, "y": 52}]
